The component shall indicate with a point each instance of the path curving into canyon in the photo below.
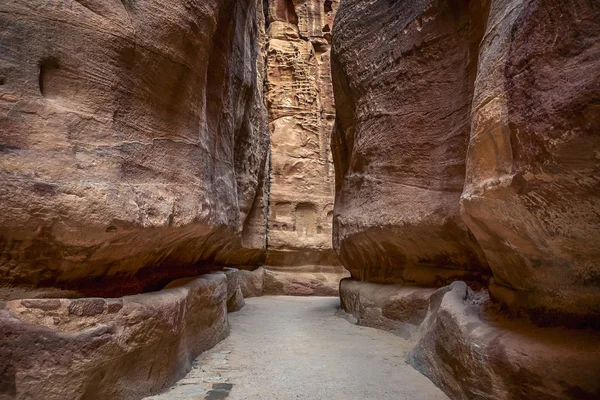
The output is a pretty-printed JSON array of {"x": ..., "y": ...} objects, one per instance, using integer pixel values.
[{"x": 300, "y": 348}]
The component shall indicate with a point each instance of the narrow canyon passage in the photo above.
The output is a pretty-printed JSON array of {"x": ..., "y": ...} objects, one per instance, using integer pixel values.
[{"x": 300, "y": 348}]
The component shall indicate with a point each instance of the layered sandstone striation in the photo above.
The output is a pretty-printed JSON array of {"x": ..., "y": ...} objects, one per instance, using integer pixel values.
[
  {"x": 299, "y": 99},
  {"x": 133, "y": 142},
  {"x": 532, "y": 192},
  {"x": 465, "y": 149},
  {"x": 495, "y": 92},
  {"x": 474, "y": 353},
  {"x": 133, "y": 158},
  {"x": 403, "y": 77}
]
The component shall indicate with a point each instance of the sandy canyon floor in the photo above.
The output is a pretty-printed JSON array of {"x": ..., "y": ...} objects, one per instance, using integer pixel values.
[{"x": 300, "y": 348}]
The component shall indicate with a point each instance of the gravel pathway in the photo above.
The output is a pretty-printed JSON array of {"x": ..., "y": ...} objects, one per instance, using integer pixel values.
[{"x": 300, "y": 348}]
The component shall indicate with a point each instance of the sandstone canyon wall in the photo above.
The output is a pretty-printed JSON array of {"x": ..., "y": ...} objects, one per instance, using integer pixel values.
[
  {"x": 466, "y": 148},
  {"x": 133, "y": 140},
  {"x": 299, "y": 99},
  {"x": 133, "y": 152}
]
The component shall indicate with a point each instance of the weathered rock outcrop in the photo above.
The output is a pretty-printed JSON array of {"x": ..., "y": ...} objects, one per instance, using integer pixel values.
[
  {"x": 513, "y": 84},
  {"x": 474, "y": 353},
  {"x": 395, "y": 308},
  {"x": 309, "y": 280},
  {"x": 466, "y": 148},
  {"x": 133, "y": 141},
  {"x": 122, "y": 348},
  {"x": 532, "y": 195},
  {"x": 299, "y": 98},
  {"x": 403, "y": 76}
]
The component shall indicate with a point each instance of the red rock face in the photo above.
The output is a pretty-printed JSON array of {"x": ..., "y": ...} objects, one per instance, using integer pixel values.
[
  {"x": 133, "y": 138},
  {"x": 403, "y": 93},
  {"x": 532, "y": 190},
  {"x": 428, "y": 92}
]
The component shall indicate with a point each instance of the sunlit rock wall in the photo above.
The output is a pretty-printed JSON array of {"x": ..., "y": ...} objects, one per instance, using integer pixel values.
[{"x": 299, "y": 100}]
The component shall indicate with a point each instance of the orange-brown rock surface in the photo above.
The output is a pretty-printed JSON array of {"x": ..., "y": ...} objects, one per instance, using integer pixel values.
[
  {"x": 299, "y": 99},
  {"x": 120, "y": 348},
  {"x": 403, "y": 91},
  {"x": 466, "y": 148},
  {"x": 474, "y": 353},
  {"x": 133, "y": 140},
  {"x": 532, "y": 194},
  {"x": 442, "y": 75}
]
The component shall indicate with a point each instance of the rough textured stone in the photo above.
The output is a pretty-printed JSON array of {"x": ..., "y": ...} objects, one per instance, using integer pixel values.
[
  {"x": 236, "y": 302},
  {"x": 473, "y": 353},
  {"x": 235, "y": 298},
  {"x": 133, "y": 140},
  {"x": 315, "y": 280},
  {"x": 466, "y": 148},
  {"x": 252, "y": 282},
  {"x": 139, "y": 349},
  {"x": 489, "y": 75},
  {"x": 299, "y": 99},
  {"x": 532, "y": 194},
  {"x": 403, "y": 77},
  {"x": 396, "y": 308}
]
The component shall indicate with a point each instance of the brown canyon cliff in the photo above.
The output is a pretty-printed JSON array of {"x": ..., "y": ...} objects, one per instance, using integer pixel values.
[
  {"x": 133, "y": 151},
  {"x": 299, "y": 99},
  {"x": 466, "y": 148},
  {"x": 133, "y": 140}
]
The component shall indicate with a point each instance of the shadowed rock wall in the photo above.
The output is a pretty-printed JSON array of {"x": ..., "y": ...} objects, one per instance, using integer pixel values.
[
  {"x": 403, "y": 77},
  {"x": 431, "y": 92},
  {"x": 120, "y": 348},
  {"x": 466, "y": 148},
  {"x": 133, "y": 140}
]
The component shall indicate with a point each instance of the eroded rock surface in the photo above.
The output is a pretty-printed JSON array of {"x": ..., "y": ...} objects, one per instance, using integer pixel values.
[
  {"x": 308, "y": 280},
  {"x": 121, "y": 348},
  {"x": 488, "y": 75},
  {"x": 403, "y": 75},
  {"x": 252, "y": 282},
  {"x": 136, "y": 149},
  {"x": 395, "y": 308},
  {"x": 474, "y": 353},
  {"x": 532, "y": 194},
  {"x": 299, "y": 99},
  {"x": 466, "y": 148}
]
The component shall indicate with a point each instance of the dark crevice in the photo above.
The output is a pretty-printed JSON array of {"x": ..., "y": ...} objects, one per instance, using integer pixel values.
[
  {"x": 266, "y": 13},
  {"x": 48, "y": 68}
]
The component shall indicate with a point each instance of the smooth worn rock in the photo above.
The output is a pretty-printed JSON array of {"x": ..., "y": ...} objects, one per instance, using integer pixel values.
[
  {"x": 473, "y": 353},
  {"x": 236, "y": 302},
  {"x": 403, "y": 76},
  {"x": 466, "y": 148},
  {"x": 235, "y": 298},
  {"x": 252, "y": 282},
  {"x": 488, "y": 75},
  {"x": 133, "y": 141},
  {"x": 395, "y": 308},
  {"x": 299, "y": 99},
  {"x": 313, "y": 280},
  {"x": 532, "y": 193},
  {"x": 137, "y": 345}
]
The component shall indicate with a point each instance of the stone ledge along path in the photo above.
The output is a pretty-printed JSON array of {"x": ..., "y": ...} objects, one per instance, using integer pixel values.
[{"x": 300, "y": 348}]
